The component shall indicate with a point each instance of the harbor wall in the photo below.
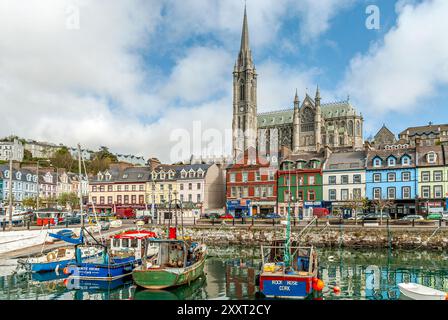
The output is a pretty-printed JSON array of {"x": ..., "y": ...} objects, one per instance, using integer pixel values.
[{"x": 350, "y": 237}]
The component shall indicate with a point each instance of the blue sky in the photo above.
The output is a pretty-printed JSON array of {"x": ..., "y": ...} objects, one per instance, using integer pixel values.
[{"x": 139, "y": 75}]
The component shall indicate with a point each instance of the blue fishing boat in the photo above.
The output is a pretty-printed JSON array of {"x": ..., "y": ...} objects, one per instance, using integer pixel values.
[
  {"x": 117, "y": 262},
  {"x": 59, "y": 258}
]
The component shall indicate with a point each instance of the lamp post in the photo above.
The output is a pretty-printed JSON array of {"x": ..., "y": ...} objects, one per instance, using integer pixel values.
[
  {"x": 10, "y": 191},
  {"x": 37, "y": 182}
]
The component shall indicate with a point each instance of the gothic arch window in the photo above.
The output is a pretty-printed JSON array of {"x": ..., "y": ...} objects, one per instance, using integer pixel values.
[
  {"x": 307, "y": 120},
  {"x": 242, "y": 92},
  {"x": 341, "y": 140},
  {"x": 350, "y": 128}
]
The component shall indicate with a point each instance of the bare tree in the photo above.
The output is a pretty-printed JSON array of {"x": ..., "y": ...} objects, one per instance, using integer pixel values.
[
  {"x": 382, "y": 204},
  {"x": 357, "y": 203}
]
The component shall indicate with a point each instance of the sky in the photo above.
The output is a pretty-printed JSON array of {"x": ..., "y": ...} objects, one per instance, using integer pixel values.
[{"x": 154, "y": 77}]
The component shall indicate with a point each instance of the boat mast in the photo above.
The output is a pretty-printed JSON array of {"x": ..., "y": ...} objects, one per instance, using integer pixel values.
[
  {"x": 80, "y": 186},
  {"x": 288, "y": 224}
]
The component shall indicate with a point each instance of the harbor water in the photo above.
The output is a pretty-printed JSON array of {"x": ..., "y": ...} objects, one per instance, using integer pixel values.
[{"x": 230, "y": 274}]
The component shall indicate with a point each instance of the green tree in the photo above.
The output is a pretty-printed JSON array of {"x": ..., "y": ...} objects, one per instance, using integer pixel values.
[
  {"x": 63, "y": 159},
  {"x": 104, "y": 153},
  {"x": 30, "y": 203},
  {"x": 27, "y": 155},
  {"x": 68, "y": 200}
]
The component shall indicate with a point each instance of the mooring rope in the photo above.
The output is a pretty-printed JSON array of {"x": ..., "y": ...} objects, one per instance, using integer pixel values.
[{"x": 433, "y": 234}]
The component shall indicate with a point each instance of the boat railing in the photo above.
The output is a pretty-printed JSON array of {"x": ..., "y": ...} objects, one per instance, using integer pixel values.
[{"x": 307, "y": 227}]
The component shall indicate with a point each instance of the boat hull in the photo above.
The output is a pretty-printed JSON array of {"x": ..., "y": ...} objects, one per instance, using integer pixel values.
[
  {"x": 419, "y": 292},
  {"x": 163, "y": 278},
  {"x": 286, "y": 286},
  {"x": 103, "y": 272},
  {"x": 51, "y": 266}
]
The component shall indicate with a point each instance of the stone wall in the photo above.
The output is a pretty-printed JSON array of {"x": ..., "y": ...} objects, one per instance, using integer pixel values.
[{"x": 350, "y": 237}]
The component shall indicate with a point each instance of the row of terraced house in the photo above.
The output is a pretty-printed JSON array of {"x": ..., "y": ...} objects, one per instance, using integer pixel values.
[{"x": 407, "y": 175}]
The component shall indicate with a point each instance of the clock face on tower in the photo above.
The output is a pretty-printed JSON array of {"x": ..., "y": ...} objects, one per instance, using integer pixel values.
[{"x": 241, "y": 109}]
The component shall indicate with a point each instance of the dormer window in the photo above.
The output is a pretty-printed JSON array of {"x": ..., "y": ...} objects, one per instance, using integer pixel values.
[
  {"x": 183, "y": 174},
  {"x": 18, "y": 175},
  {"x": 191, "y": 174},
  {"x": 125, "y": 176},
  {"x": 140, "y": 175},
  {"x": 108, "y": 176},
  {"x": 391, "y": 162},
  {"x": 405, "y": 161},
  {"x": 28, "y": 177},
  {"x": 100, "y": 176},
  {"x": 154, "y": 176},
  {"x": 162, "y": 175},
  {"x": 431, "y": 157},
  {"x": 377, "y": 162},
  {"x": 6, "y": 173}
]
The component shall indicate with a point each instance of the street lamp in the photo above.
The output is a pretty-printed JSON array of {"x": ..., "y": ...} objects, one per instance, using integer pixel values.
[{"x": 37, "y": 181}]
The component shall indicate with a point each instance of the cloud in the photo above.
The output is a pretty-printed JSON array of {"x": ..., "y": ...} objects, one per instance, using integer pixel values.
[
  {"x": 407, "y": 66},
  {"x": 98, "y": 83}
]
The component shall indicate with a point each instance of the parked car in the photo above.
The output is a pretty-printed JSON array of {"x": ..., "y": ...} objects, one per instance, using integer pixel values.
[
  {"x": 321, "y": 212},
  {"x": 271, "y": 216},
  {"x": 445, "y": 216},
  {"x": 211, "y": 215},
  {"x": 412, "y": 217},
  {"x": 375, "y": 216},
  {"x": 73, "y": 218},
  {"x": 105, "y": 225},
  {"x": 360, "y": 216},
  {"x": 434, "y": 216},
  {"x": 226, "y": 216}
]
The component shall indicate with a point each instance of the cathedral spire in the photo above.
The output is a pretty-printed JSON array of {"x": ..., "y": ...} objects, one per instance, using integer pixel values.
[
  {"x": 296, "y": 98},
  {"x": 245, "y": 55},
  {"x": 317, "y": 99}
]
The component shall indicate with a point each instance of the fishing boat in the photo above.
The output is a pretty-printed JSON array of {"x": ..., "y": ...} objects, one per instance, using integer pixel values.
[
  {"x": 288, "y": 270},
  {"x": 58, "y": 258},
  {"x": 190, "y": 292},
  {"x": 415, "y": 291},
  {"x": 118, "y": 261},
  {"x": 170, "y": 263}
]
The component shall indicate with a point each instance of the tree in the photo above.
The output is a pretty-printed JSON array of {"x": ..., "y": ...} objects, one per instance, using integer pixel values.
[
  {"x": 70, "y": 200},
  {"x": 382, "y": 204},
  {"x": 358, "y": 203},
  {"x": 63, "y": 159},
  {"x": 30, "y": 202},
  {"x": 27, "y": 155},
  {"x": 104, "y": 153}
]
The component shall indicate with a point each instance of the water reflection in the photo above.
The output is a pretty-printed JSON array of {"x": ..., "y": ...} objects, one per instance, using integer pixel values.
[{"x": 231, "y": 274}]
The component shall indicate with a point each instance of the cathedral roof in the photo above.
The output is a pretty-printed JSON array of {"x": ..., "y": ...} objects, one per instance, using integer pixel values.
[{"x": 285, "y": 116}]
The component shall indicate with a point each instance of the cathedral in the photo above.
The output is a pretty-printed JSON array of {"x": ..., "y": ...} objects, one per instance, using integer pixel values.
[{"x": 308, "y": 126}]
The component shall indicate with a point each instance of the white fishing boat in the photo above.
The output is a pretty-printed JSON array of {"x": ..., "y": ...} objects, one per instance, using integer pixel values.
[{"x": 417, "y": 291}]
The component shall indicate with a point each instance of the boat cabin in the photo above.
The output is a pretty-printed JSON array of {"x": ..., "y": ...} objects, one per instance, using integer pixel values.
[
  {"x": 171, "y": 253},
  {"x": 303, "y": 260},
  {"x": 49, "y": 216},
  {"x": 131, "y": 242}
]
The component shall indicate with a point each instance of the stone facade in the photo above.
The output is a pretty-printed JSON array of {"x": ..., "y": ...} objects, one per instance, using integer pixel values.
[{"x": 306, "y": 127}]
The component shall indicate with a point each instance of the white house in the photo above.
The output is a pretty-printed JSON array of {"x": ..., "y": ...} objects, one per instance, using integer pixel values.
[{"x": 14, "y": 148}]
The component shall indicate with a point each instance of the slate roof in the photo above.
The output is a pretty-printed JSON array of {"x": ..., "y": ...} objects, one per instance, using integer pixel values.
[
  {"x": 285, "y": 116},
  {"x": 384, "y": 154},
  {"x": 425, "y": 130},
  {"x": 346, "y": 161},
  {"x": 423, "y": 151}
]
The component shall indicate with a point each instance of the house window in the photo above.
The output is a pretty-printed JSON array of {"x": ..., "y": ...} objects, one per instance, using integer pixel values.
[
  {"x": 109, "y": 188},
  {"x": 391, "y": 162},
  {"x": 94, "y": 200},
  {"x": 245, "y": 192},
  {"x": 270, "y": 191},
  {"x": 109, "y": 200},
  {"x": 426, "y": 192},
  {"x": 119, "y": 199},
  {"x": 245, "y": 177},
  {"x": 134, "y": 187},
  {"x": 431, "y": 157},
  {"x": 377, "y": 162},
  {"x": 271, "y": 175},
  {"x": 344, "y": 179},
  {"x": 438, "y": 192},
  {"x": 198, "y": 186},
  {"x": 126, "y": 199},
  {"x": 391, "y": 193},
  {"x": 257, "y": 191},
  {"x": 391, "y": 177},
  {"x": 406, "y": 161},
  {"x": 332, "y": 180},
  {"x": 357, "y": 193},
  {"x": 332, "y": 195},
  {"x": 357, "y": 178},
  {"x": 406, "y": 176},
  {"x": 233, "y": 192},
  {"x": 141, "y": 199},
  {"x": 119, "y": 188},
  {"x": 300, "y": 195},
  {"x": 126, "y": 188},
  {"x": 438, "y": 176},
  {"x": 93, "y": 188},
  {"x": 376, "y": 193},
  {"x": 257, "y": 176},
  {"x": 377, "y": 177},
  {"x": 311, "y": 180},
  {"x": 101, "y": 200},
  {"x": 311, "y": 195},
  {"x": 301, "y": 181},
  {"x": 190, "y": 186},
  {"x": 181, "y": 186},
  {"x": 198, "y": 198},
  {"x": 134, "y": 199},
  {"x": 344, "y": 194},
  {"x": 142, "y": 187},
  {"x": 406, "y": 192},
  {"x": 232, "y": 177},
  {"x": 286, "y": 196},
  {"x": 426, "y": 176}
]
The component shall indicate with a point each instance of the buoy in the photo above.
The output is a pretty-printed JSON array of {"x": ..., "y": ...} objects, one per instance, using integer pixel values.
[
  {"x": 65, "y": 270},
  {"x": 65, "y": 282},
  {"x": 446, "y": 296},
  {"x": 331, "y": 258},
  {"x": 336, "y": 290},
  {"x": 318, "y": 285}
]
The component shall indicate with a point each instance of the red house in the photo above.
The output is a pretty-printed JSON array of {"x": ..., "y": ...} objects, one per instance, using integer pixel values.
[{"x": 251, "y": 186}]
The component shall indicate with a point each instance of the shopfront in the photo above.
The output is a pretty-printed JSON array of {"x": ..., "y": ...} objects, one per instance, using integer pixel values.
[
  {"x": 426, "y": 207},
  {"x": 237, "y": 208},
  {"x": 261, "y": 208}
]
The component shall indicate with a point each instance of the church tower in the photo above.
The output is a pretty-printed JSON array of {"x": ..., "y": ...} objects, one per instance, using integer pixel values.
[
  {"x": 296, "y": 124},
  {"x": 318, "y": 125},
  {"x": 244, "y": 124}
]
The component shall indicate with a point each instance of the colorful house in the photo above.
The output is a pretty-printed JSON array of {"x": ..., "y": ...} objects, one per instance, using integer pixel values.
[
  {"x": 299, "y": 184},
  {"x": 392, "y": 175},
  {"x": 344, "y": 180},
  {"x": 251, "y": 186},
  {"x": 432, "y": 173}
]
